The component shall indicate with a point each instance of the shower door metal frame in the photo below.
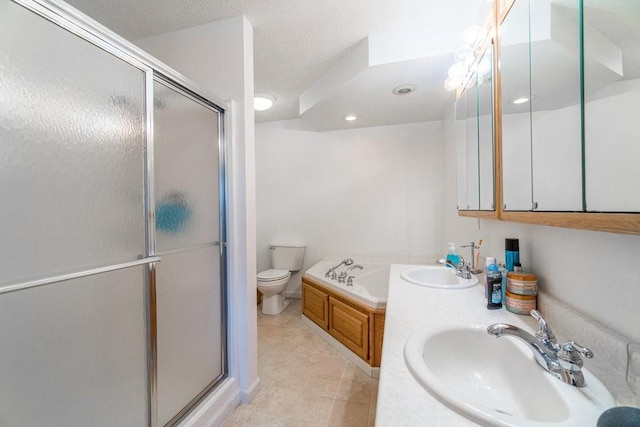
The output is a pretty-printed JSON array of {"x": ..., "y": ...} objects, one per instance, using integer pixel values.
[
  {"x": 86, "y": 28},
  {"x": 194, "y": 96}
]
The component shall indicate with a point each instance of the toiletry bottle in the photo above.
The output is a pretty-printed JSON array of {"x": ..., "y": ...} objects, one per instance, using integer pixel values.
[
  {"x": 511, "y": 252},
  {"x": 503, "y": 272},
  {"x": 487, "y": 262},
  {"x": 517, "y": 267},
  {"x": 452, "y": 254},
  {"x": 494, "y": 283}
]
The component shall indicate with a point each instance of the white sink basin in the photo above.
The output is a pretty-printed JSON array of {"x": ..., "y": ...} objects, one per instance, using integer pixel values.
[
  {"x": 496, "y": 381},
  {"x": 434, "y": 276}
]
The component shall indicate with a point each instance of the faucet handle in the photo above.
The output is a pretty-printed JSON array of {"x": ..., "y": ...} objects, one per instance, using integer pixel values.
[
  {"x": 574, "y": 347},
  {"x": 544, "y": 332},
  {"x": 569, "y": 355}
]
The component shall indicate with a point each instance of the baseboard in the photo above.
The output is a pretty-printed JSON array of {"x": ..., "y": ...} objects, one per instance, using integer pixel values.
[
  {"x": 351, "y": 356},
  {"x": 246, "y": 396},
  {"x": 295, "y": 295},
  {"x": 215, "y": 408}
]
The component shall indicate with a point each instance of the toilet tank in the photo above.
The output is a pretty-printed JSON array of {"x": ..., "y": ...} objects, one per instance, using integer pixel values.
[{"x": 287, "y": 257}]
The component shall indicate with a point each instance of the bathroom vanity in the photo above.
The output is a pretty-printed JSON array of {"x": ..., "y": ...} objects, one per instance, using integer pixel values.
[{"x": 402, "y": 400}]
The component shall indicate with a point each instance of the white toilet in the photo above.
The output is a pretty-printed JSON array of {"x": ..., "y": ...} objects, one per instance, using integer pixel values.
[{"x": 273, "y": 282}]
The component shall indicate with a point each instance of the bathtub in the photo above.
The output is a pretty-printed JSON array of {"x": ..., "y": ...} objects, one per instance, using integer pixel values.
[{"x": 370, "y": 285}]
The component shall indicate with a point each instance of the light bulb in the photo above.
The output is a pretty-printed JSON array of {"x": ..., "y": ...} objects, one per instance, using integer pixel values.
[
  {"x": 452, "y": 84},
  {"x": 471, "y": 35},
  {"x": 464, "y": 55},
  {"x": 457, "y": 71}
]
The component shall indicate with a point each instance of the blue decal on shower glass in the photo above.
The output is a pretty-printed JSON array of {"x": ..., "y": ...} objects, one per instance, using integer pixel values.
[{"x": 172, "y": 213}]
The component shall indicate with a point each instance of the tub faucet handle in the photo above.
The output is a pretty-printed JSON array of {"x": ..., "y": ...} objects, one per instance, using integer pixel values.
[
  {"x": 332, "y": 271},
  {"x": 343, "y": 276}
]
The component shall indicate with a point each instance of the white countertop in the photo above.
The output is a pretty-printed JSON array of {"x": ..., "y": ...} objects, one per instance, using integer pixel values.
[{"x": 401, "y": 400}]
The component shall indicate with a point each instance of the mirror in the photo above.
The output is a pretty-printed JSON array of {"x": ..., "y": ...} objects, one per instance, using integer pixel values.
[
  {"x": 484, "y": 94},
  {"x": 475, "y": 148},
  {"x": 612, "y": 107},
  {"x": 462, "y": 197},
  {"x": 541, "y": 121},
  {"x": 473, "y": 188}
]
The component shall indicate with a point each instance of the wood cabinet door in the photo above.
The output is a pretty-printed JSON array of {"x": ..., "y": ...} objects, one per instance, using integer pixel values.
[
  {"x": 315, "y": 305},
  {"x": 349, "y": 326}
]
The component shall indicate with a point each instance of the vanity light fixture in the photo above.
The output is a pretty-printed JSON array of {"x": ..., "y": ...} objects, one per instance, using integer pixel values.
[
  {"x": 350, "y": 117},
  {"x": 263, "y": 101},
  {"x": 466, "y": 66}
]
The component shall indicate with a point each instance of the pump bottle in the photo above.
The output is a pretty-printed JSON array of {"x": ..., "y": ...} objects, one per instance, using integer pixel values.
[{"x": 452, "y": 254}]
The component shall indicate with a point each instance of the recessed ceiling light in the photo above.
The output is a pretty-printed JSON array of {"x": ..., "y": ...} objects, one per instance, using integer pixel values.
[
  {"x": 520, "y": 100},
  {"x": 350, "y": 117},
  {"x": 263, "y": 101},
  {"x": 404, "y": 89}
]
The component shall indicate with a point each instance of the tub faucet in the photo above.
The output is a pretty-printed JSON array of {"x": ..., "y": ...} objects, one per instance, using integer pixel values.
[
  {"x": 332, "y": 271},
  {"x": 463, "y": 270},
  {"x": 342, "y": 276},
  {"x": 561, "y": 361}
]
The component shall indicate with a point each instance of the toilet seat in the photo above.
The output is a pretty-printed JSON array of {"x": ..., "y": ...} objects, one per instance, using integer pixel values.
[{"x": 272, "y": 275}]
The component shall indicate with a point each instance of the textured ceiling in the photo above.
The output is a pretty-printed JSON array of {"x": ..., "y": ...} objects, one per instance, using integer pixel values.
[{"x": 295, "y": 41}]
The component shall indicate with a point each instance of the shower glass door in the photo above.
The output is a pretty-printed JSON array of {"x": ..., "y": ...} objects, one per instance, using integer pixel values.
[
  {"x": 186, "y": 152},
  {"x": 72, "y": 253},
  {"x": 112, "y": 224}
]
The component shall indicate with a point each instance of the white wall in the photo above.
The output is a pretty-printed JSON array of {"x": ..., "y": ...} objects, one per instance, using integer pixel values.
[
  {"x": 219, "y": 58},
  {"x": 360, "y": 191},
  {"x": 593, "y": 272}
]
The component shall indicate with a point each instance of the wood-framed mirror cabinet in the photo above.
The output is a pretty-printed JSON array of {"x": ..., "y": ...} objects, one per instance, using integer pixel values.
[{"x": 565, "y": 156}]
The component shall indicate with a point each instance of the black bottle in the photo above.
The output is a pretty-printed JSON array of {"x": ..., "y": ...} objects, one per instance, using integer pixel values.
[{"x": 494, "y": 285}]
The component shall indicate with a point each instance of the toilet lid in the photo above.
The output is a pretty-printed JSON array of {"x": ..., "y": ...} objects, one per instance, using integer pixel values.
[{"x": 273, "y": 274}]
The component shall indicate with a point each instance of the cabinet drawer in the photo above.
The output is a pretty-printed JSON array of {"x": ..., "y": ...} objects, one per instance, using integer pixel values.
[
  {"x": 349, "y": 326},
  {"x": 315, "y": 305}
]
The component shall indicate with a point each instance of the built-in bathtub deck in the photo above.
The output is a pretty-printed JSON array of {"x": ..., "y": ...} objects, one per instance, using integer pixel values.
[{"x": 350, "y": 317}]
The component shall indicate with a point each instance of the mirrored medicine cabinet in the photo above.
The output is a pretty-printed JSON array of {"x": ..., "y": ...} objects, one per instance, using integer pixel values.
[
  {"x": 563, "y": 106},
  {"x": 474, "y": 134}
]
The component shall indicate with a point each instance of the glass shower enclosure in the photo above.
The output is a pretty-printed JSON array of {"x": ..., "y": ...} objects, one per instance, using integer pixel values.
[{"x": 112, "y": 258}]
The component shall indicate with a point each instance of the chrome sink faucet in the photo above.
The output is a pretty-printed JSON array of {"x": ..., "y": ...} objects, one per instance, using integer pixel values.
[
  {"x": 463, "y": 269},
  {"x": 561, "y": 361},
  {"x": 342, "y": 276},
  {"x": 332, "y": 271}
]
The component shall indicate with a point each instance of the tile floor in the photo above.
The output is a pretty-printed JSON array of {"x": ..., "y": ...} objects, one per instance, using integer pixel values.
[{"x": 305, "y": 381}]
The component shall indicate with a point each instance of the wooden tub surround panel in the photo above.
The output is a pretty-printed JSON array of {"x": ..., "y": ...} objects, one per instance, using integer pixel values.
[
  {"x": 349, "y": 326},
  {"x": 315, "y": 305},
  {"x": 356, "y": 326}
]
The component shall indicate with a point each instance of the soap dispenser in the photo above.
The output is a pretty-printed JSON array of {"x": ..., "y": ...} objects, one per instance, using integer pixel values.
[{"x": 452, "y": 254}]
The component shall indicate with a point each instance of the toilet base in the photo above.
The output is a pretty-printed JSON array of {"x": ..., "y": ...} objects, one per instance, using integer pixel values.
[{"x": 274, "y": 304}]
